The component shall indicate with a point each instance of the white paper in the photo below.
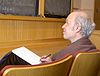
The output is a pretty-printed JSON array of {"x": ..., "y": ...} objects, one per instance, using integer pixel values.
[{"x": 27, "y": 55}]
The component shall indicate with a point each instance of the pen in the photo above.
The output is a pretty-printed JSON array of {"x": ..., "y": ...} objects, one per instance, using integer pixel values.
[{"x": 48, "y": 55}]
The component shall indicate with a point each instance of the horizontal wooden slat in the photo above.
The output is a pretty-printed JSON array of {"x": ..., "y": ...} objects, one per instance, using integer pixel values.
[{"x": 30, "y": 18}]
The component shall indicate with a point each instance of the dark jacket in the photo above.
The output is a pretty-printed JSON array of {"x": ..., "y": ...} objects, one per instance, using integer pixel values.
[{"x": 81, "y": 45}]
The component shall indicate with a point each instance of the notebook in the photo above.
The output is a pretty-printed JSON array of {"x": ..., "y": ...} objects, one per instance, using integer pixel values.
[{"x": 27, "y": 55}]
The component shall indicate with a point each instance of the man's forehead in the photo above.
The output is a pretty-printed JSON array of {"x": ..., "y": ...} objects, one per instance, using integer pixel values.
[
  {"x": 73, "y": 16},
  {"x": 66, "y": 20},
  {"x": 70, "y": 18}
]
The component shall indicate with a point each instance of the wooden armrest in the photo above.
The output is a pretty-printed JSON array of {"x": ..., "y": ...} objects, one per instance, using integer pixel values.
[{"x": 60, "y": 67}]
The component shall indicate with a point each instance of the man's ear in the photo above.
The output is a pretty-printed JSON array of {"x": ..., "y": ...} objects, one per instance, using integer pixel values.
[{"x": 77, "y": 29}]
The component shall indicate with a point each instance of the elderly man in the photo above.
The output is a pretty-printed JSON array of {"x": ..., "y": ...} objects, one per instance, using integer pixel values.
[{"x": 77, "y": 29}]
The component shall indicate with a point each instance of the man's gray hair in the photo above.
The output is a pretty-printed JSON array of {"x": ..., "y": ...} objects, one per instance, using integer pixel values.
[{"x": 87, "y": 26}]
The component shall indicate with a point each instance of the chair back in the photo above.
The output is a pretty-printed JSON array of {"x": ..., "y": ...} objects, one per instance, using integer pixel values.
[
  {"x": 86, "y": 64},
  {"x": 56, "y": 68}
]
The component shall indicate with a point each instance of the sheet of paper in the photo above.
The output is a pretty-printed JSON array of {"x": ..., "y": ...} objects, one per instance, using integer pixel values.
[{"x": 27, "y": 55}]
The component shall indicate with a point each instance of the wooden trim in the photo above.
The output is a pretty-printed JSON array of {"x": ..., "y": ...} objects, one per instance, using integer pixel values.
[
  {"x": 33, "y": 42},
  {"x": 30, "y": 18},
  {"x": 12, "y": 69},
  {"x": 41, "y": 8},
  {"x": 72, "y": 4}
]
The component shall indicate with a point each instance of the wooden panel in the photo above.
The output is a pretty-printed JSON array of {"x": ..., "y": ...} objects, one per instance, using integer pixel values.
[
  {"x": 97, "y": 3},
  {"x": 95, "y": 37},
  {"x": 97, "y": 14},
  {"x": 97, "y": 24},
  {"x": 14, "y": 28},
  {"x": 97, "y": 10},
  {"x": 42, "y": 35}
]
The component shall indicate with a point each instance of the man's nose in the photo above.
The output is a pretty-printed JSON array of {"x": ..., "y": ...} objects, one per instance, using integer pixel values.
[{"x": 63, "y": 26}]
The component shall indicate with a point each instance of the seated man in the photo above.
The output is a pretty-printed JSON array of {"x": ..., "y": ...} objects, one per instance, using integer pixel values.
[{"x": 77, "y": 29}]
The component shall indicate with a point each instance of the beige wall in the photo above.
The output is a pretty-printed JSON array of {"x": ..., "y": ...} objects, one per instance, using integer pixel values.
[{"x": 85, "y": 5}]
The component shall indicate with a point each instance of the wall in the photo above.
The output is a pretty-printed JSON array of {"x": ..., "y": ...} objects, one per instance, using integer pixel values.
[{"x": 85, "y": 5}]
